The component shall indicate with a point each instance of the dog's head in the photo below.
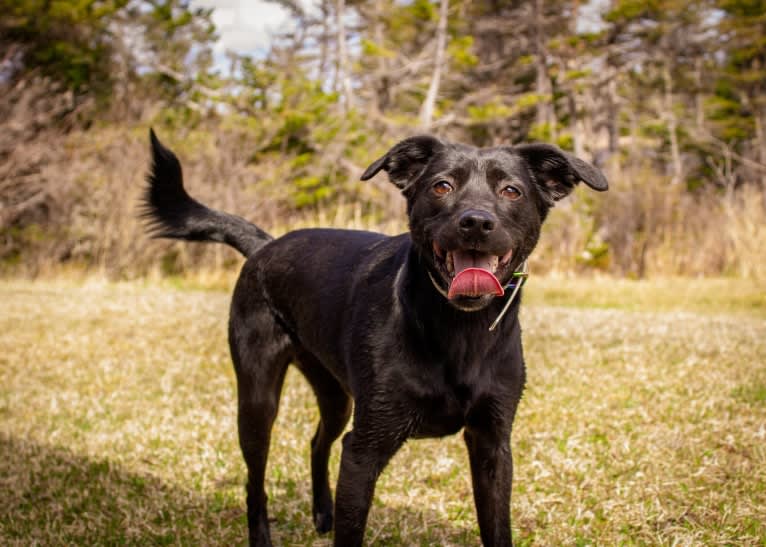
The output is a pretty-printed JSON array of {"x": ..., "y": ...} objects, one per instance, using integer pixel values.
[{"x": 475, "y": 213}]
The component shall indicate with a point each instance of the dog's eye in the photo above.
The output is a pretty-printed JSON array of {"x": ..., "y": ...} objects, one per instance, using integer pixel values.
[
  {"x": 442, "y": 187},
  {"x": 511, "y": 193}
]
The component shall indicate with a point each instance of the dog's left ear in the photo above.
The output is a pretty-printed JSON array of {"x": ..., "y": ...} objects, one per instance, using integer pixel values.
[
  {"x": 557, "y": 172},
  {"x": 406, "y": 160}
]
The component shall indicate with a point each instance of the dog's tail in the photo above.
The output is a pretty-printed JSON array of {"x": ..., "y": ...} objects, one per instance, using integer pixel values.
[{"x": 172, "y": 213}]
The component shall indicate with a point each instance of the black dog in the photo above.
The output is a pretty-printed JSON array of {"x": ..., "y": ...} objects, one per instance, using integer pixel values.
[{"x": 398, "y": 324}]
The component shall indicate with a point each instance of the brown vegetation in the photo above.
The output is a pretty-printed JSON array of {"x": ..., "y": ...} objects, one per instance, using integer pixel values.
[
  {"x": 73, "y": 202},
  {"x": 668, "y": 99}
]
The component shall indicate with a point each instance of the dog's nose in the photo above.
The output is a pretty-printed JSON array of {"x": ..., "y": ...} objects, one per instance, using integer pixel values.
[{"x": 476, "y": 222}]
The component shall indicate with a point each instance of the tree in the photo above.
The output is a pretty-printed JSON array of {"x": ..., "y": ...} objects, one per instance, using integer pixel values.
[
  {"x": 742, "y": 86},
  {"x": 658, "y": 44},
  {"x": 427, "y": 109}
]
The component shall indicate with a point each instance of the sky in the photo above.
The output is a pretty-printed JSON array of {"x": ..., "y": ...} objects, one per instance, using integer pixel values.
[{"x": 244, "y": 26}]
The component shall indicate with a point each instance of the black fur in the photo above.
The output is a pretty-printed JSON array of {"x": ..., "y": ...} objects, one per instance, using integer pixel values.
[
  {"x": 172, "y": 213},
  {"x": 366, "y": 319}
]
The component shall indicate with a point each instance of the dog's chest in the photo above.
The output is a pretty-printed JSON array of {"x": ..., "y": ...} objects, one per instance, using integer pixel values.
[
  {"x": 463, "y": 387},
  {"x": 442, "y": 411},
  {"x": 447, "y": 401}
]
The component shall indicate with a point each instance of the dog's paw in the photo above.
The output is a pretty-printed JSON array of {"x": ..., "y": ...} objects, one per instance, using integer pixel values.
[{"x": 323, "y": 522}]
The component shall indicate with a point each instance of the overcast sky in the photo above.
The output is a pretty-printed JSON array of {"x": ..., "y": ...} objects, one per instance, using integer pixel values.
[{"x": 244, "y": 25}]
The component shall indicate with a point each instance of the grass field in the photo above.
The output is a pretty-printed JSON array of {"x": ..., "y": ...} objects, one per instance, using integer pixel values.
[{"x": 644, "y": 423}]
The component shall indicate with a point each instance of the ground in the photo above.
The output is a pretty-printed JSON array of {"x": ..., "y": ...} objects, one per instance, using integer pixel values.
[{"x": 644, "y": 423}]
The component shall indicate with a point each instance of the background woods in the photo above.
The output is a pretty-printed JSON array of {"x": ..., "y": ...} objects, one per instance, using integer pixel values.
[
  {"x": 644, "y": 416},
  {"x": 668, "y": 97}
]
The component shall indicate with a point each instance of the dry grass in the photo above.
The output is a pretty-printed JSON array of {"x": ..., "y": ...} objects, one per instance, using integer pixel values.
[
  {"x": 117, "y": 424},
  {"x": 70, "y": 203}
]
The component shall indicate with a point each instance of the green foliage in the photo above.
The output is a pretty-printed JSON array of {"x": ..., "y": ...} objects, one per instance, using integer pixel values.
[
  {"x": 623, "y": 10},
  {"x": 423, "y": 10},
  {"x": 576, "y": 74},
  {"x": 78, "y": 43},
  {"x": 297, "y": 121},
  {"x": 311, "y": 190},
  {"x": 530, "y": 100},
  {"x": 372, "y": 49},
  {"x": 491, "y": 110},
  {"x": 744, "y": 21},
  {"x": 66, "y": 39},
  {"x": 565, "y": 141},
  {"x": 665, "y": 71},
  {"x": 540, "y": 132},
  {"x": 460, "y": 50},
  {"x": 730, "y": 123},
  {"x": 596, "y": 254}
]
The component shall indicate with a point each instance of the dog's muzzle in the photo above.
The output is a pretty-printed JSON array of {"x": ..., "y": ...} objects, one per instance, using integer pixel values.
[{"x": 472, "y": 273}]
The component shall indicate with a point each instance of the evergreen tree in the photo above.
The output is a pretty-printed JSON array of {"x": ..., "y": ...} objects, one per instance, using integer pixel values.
[{"x": 739, "y": 104}]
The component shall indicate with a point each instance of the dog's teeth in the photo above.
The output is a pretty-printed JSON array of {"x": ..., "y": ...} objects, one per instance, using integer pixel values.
[
  {"x": 450, "y": 263},
  {"x": 493, "y": 263},
  {"x": 506, "y": 257}
]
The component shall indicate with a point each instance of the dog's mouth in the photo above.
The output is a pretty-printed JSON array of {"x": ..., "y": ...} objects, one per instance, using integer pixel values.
[{"x": 472, "y": 273}]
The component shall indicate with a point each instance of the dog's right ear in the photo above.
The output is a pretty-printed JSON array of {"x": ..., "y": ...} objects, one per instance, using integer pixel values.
[{"x": 406, "y": 160}]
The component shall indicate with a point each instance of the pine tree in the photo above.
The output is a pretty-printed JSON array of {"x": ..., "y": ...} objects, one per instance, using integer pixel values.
[{"x": 740, "y": 100}]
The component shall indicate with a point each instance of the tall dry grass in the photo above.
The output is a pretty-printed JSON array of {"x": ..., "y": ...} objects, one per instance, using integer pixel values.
[
  {"x": 88, "y": 216},
  {"x": 644, "y": 226}
]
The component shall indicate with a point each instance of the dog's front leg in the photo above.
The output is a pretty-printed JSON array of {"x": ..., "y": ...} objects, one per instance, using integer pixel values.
[
  {"x": 491, "y": 472},
  {"x": 366, "y": 451}
]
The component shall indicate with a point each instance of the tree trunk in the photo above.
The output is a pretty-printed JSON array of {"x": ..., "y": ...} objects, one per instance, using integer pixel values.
[
  {"x": 543, "y": 88},
  {"x": 323, "y": 53},
  {"x": 575, "y": 122},
  {"x": 613, "y": 123},
  {"x": 427, "y": 108},
  {"x": 381, "y": 80},
  {"x": 587, "y": 117},
  {"x": 576, "y": 125},
  {"x": 633, "y": 157},
  {"x": 760, "y": 122},
  {"x": 699, "y": 97},
  {"x": 343, "y": 68},
  {"x": 672, "y": 121}
]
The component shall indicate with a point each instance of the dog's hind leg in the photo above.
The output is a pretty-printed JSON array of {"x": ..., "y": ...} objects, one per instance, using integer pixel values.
[
  {"x": 261, "y": 352},
  {"x": 335, "y": 411}
]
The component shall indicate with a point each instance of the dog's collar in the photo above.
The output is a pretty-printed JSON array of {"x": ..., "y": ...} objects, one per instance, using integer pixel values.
[
  {"x": 517, "y": 280},
  {"x": 436, "y": 285}
]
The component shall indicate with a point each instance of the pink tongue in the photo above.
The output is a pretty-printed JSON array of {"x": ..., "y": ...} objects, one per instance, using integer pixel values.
[
  {"x": 474, "y": 277},
  {"x": 474, "y": 282}
]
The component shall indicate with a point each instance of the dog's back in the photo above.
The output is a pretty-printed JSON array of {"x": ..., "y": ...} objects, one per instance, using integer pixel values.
[{"x": 312, "y": 286}]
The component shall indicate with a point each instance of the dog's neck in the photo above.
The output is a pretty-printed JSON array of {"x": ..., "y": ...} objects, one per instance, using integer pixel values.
[
  {"x": 512, "y": 289},
  {"x": 418, "y": 284}
]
